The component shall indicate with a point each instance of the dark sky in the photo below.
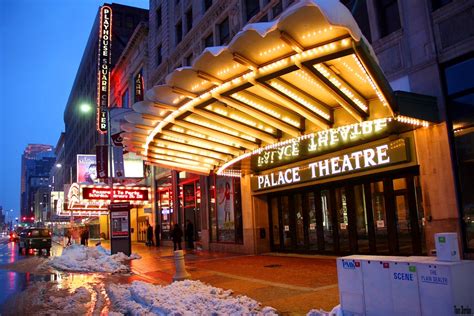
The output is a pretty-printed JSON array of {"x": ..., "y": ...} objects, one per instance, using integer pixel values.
[{"x": 41, "y": 45}]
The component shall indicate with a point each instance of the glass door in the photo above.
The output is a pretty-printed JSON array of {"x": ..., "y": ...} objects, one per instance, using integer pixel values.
[
  {"x": 299, "y": 222},
  {"x": 328, "y": 228},
  {"x": 380, "y": 217},
  {"x": 286, "y": 221},
  {"x": 362, "y": 219},
  {"x": 312, "y": 226},
  {"x": 275, "y": 223},
  {"x": 342, "y": 218}
]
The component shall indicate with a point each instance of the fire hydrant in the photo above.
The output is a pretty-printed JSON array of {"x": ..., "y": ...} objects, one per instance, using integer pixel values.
[{"x": 181, "y": 273}]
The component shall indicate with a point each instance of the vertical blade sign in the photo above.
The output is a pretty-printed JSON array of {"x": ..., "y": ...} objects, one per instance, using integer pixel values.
[{"x": 103, "y": 74}]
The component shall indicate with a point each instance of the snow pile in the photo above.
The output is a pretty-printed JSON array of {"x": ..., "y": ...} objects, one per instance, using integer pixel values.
[
  {"x": 182, "y": 298},
  {"x": 91, "y": 259},
  {"x": 336, "y": 311}
]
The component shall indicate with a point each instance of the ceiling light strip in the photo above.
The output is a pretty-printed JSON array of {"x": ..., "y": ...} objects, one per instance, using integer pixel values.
[
  {"x": 295, "y": 106},
  {"x": 239, "y": 126},
  {"x": 237, "y": 142},
  {"x": 350, "y": 93},
  {"x": 204, "y": 143}
]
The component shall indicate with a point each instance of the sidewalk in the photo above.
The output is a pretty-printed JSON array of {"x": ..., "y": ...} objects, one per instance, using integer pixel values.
[{"x": 291, "y": 284}]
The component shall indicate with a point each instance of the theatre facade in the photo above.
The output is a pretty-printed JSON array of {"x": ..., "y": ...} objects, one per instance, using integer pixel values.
[{"x": 290, "y": 139}]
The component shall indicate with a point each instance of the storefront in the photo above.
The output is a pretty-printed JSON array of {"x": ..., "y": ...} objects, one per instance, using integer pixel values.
[
  {"x": 361, "y": 199},
  {"x": 88, "y": 205},
  {"x": 291, "y": 139}
]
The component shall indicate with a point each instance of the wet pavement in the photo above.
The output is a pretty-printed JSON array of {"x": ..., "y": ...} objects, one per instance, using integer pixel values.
[{"x": 291, "y": 284}]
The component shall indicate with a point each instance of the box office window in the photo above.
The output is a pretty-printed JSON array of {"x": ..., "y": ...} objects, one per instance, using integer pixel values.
[{"x": 225, "y": 210}]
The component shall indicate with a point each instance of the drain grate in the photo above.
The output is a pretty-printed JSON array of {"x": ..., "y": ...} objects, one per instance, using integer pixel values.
[{"x": 272, "y": 266}]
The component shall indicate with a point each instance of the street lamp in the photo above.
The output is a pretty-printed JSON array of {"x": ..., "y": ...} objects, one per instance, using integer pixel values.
[{"x": 85, "y": 107}]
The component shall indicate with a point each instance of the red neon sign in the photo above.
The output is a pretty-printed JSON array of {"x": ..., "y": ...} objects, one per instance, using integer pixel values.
[
  {"x": 122, "y": 194},
  {"x": 103, "y": 75}
]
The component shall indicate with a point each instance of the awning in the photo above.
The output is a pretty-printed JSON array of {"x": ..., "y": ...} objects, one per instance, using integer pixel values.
[{"x": 309, "y": 70}]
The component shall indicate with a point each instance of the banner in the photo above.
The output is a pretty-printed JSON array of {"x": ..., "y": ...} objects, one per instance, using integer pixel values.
[
  {"x": 117, "y": 154},
  {"x": 87, "y": 169},
  {"x": 225, "y": 208},
  {"x": 101, "y": 157}
]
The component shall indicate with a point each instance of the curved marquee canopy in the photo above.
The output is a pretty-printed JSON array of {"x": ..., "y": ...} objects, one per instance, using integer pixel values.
[{"x": 309, "y": 70}]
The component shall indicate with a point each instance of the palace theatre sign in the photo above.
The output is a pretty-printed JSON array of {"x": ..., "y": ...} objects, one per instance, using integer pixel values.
[{"x": 379, "y": 154}]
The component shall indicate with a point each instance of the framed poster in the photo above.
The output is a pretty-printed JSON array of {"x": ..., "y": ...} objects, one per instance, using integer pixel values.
[{"x": 119, "y": 223}]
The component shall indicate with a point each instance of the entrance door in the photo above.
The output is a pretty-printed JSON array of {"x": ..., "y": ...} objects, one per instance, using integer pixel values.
[
  {"x": 377, "y": 216},
  {"x": 141, "y": 227},
  {"x": 191, "y": 204}
]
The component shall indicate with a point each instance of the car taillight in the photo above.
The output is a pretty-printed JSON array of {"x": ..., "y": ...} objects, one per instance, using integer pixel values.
[
  {"x": 49, "y": 233},
  {"x": 29, "y": 234}
]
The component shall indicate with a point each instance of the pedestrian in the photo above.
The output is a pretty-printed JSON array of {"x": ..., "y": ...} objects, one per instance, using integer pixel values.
[
  {"x": 157, "y": 234},
  {"x": 83, "y": 236},
  {"x": 68, "y": 236},
  {"x": 86, "y": 236},
  {"x": 176, "y": 235},
  {"x": 149, "y": 235},
  {"x": 190, "y": 234}
]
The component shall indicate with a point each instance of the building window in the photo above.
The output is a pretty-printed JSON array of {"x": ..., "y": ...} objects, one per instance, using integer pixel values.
[
  {"x": 159, "y": 56},
  {"x": 189, "y": 20},
  {"x": 277, "y": 9},
  {"x": 459, "y": 84},
  {"x": 129, "y": 21},
  {"x": 388, "y": 16},
  {"x": 206, "y": 4},
  {"x": 359, "y": 11},
  {"x": 118, "y": 19},
  {"x": 179, "y": 32},
  {"x": 209, "y": 41},
  {"x": 436, "y": 4},
  {"x": 158, "y": 17},
  {"x": 225, "y": 210},
  {"x": 224, "y": 32},
  {"x": 125, "y": 99},
  {"x": 188, "y": 60},
  {"x": 252, "y": 7}
]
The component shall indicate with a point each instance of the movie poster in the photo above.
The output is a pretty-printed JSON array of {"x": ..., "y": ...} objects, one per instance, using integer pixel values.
[
  {"x": 225, "y": 209},
  {"x": 86, "y": 169}
]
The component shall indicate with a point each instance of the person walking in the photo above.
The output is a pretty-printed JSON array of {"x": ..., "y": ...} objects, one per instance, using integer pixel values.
[
  {"x": 83, "y": 236},
  {"x": 86, "y": 236},
  {"x": 149, "y": 235},
  {"x": 68, "y": 236},
  {"x": 157, "y": 234},
  {"x": 190, "y": 234},
  {"x": 176, "y": 235}
]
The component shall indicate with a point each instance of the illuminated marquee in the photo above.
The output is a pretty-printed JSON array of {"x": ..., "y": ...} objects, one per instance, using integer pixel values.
[
  {"x": 356, "y": 160},
  {"x": 103, "y": 76},
  {"x": 318, "y": 143},
  {"x": 120, "y": 194}
]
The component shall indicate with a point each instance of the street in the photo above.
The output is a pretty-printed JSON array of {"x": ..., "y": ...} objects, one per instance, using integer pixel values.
[
  {"x": 29, "y": 285},
  {"x": 13, "y": 282}
]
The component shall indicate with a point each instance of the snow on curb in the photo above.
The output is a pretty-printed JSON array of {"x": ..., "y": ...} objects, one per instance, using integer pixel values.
[
  {"x": 91, "y": 259},
  {"x": 182, "y": 298},
  {"x": 336, "y": 311}
]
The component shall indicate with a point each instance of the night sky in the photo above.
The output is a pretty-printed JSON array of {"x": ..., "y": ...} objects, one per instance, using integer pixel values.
[{"x": 41, "y": 45}]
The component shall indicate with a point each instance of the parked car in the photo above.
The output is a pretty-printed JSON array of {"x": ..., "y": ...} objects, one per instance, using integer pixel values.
[{"x": 35, "y": 238}]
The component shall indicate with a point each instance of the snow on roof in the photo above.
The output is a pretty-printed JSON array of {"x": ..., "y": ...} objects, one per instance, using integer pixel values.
[
  {"x": 91, "y": 259},
  {"x": 182, "y": 298}
]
